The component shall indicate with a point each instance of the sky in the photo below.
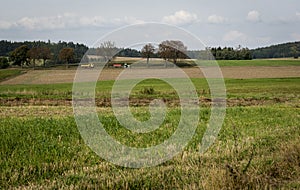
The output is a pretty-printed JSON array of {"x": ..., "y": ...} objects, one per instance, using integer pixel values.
[{"x": 249, "y": 23}]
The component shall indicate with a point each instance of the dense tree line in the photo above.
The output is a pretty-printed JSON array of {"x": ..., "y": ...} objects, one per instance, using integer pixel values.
[
  {"x": 278, "y": 51},
  {"x": 128, "y": 52},
  {"x": 226, "y": 53},
  {"x": 7, "y": 47},
  {"x": 120, "y": 52}
]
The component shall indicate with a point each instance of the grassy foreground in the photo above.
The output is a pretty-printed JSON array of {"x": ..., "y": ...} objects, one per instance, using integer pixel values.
[{"x": 257, "y": 148}]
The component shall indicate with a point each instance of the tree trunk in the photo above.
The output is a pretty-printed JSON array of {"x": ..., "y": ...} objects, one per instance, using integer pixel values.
[
  {"x": 33, "y": 64},
  {"x": 147, "y": 62},
  {"x": 44, "y": 62},
  {"x": 174, "y": 61},
  {"x": 67, "y": 65}
]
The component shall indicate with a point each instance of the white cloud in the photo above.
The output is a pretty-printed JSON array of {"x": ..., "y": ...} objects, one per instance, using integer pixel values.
[
  {"x": 215, "y": 19},
  {"x": 41, "y": 23},
  {"x": 126, "y": 20},
  {"x": 234, "y": 35},
  {"x": 67, "y": 20},
  {"x": 180, "y": 18},
  {"x": 92, "y": 21},
  {"x": 296, "y": 36},
  {"x": 254, "y": 16},
  {"x": 4, "y": 25}
]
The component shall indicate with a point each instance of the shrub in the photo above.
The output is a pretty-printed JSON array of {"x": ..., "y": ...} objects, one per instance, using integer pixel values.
[
  {"x": 3, "y": 63},
  {"x": 148, "y": 90}
]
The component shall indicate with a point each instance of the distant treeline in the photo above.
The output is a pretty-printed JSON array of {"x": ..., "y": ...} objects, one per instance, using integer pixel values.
[
  {"x": 6, "y": 47},
  {"x": 291, "y": 49},
  {"x": 226, "y": 53},
  {"x": 120, "y": 52},
  {"x": 218, "y": 53}
]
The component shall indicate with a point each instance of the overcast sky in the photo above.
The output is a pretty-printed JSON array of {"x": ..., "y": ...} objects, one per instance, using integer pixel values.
[{"x": 250, "y": 23}]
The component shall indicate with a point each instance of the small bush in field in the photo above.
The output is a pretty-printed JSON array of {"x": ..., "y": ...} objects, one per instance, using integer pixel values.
[
  {"x": 148, "y": 90},
  {"x": 3, "y": 63}
]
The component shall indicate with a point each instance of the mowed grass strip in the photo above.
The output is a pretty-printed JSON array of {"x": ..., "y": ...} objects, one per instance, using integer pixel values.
[
  {"x": 256, "y": 148},
  {"x": 280, "y": 90},
  {"x": 9, "y": 73}
]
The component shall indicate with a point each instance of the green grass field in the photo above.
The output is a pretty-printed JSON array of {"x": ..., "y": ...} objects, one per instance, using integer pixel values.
[
  {"x": 222, "y": 63},
  {"x": 257, "y": 148},
  {"x": 259, "y": 89},
  {"x": 259, "y": 62},
  {"x": 46, "y": 152}
]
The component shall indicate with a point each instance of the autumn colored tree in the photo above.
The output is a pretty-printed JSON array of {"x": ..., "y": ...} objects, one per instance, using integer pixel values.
[
  {"x": 66, "y": 55},
  {"x": 164, "y": 51},
  {"x": 45, "y": 54},
  {"x": 33, "y": 55},
  {"x": 147, "y": 51}
]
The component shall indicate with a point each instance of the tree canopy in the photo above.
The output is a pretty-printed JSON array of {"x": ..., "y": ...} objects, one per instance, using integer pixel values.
[
  {"x": 291, "y": 49},
  {"x": 66, "y": 55},
  {"x": 20, "y": 55},
  {"x": 173, "y": 50},
  {"x": 79, "y": 49},
  {"x": 147, "y": 51}
]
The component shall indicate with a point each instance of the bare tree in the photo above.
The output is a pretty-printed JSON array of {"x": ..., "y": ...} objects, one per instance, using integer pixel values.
[
  {"x": 147, "y": 51},
  {"x": 107, "y": 50},
  {"x": 173, "y": 50}
]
